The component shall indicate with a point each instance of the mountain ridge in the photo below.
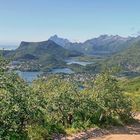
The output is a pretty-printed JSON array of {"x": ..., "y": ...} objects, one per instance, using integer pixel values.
[
  {"x": 119, "y": 50},
  {"x": 41, "y": 55},
  {"x": 104, "y": 44}
]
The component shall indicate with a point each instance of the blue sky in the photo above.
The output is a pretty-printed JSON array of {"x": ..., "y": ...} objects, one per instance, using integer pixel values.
[{"x": 77, "y": 20}]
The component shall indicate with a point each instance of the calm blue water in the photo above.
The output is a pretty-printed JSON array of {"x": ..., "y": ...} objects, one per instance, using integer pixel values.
[
  {"x": 29, "y": 76},
  {"x": 72, "y": 61}
]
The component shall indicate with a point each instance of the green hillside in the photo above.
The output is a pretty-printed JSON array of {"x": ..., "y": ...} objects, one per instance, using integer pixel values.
[
  {"x": 128, "y": 59},
  {"x": 41, "y": 55}
]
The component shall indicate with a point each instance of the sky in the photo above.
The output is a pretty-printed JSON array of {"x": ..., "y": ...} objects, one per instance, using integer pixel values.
[{"x": 77, "y": 20}]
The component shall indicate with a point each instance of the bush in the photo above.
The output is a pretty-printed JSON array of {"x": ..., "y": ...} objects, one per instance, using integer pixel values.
[
  {"x": 19, "y": 106},
  {"x": 58, "y": 105},
  {"x": 112, "y": 102}
]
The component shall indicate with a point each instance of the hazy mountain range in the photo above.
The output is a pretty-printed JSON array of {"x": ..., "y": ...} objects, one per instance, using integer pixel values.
[
  {"x": 121, "y": 51},
  {"x": 103, "y": 44},
  {"x": 128, "y": 58}
]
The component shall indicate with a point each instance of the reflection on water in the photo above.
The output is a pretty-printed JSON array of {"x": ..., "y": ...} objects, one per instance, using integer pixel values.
[
  {"x": 62, "y": 70},
  {"x": 72, "y": 61}
]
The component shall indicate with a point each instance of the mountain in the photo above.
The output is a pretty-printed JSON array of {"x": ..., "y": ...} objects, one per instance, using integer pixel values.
[
  {"x": 45, "y": 54},
  {"x": 40, "y": 49},
  {"x": 60, "y": 41},
  {"x": 102, "y": 45},
  {"x": 120, "y": 51},
  {"x": 105, "y": 44},
  {"x": 128, "y": 59}
]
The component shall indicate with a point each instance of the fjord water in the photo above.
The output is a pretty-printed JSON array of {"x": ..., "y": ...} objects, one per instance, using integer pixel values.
[
  {"x": 29, "y": 76},
  {"x": 73, "y": 61},
  {"x": 69, "y": 62}
]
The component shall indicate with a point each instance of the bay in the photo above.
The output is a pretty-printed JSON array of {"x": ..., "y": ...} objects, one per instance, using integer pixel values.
[{"x": 29, "y": 76}]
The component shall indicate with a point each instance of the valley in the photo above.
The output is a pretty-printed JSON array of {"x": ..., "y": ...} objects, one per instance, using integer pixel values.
[{"x": 58, "y": 55}]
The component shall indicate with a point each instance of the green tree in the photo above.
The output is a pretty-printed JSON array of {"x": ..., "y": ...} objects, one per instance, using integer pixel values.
[
  {"x": 66, "y": 104},
  {"x": 19, "y": 106},
  {"x": 111, "y": 101}
]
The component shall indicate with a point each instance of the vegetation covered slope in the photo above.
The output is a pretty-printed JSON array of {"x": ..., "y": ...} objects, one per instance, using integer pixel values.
[
  {"x": 41, "y": 49},
  {"x": 41, "y": 55},
  {"x": 128, "y": 59},
  {"x": 51, "y": 107}
]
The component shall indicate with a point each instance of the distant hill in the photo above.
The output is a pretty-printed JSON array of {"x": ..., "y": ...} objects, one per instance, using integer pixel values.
[
  {"x": 40, "y": 50},
  {"x": 129, "y": 58},
  {"x": 105, "y": 44},
  {"x": 46, "y": 54}
]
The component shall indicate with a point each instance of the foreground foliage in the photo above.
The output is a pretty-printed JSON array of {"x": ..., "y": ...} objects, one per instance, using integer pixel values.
[
  {"x": 18, "y": 104},
  {"x": 52, "y": 106}
]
